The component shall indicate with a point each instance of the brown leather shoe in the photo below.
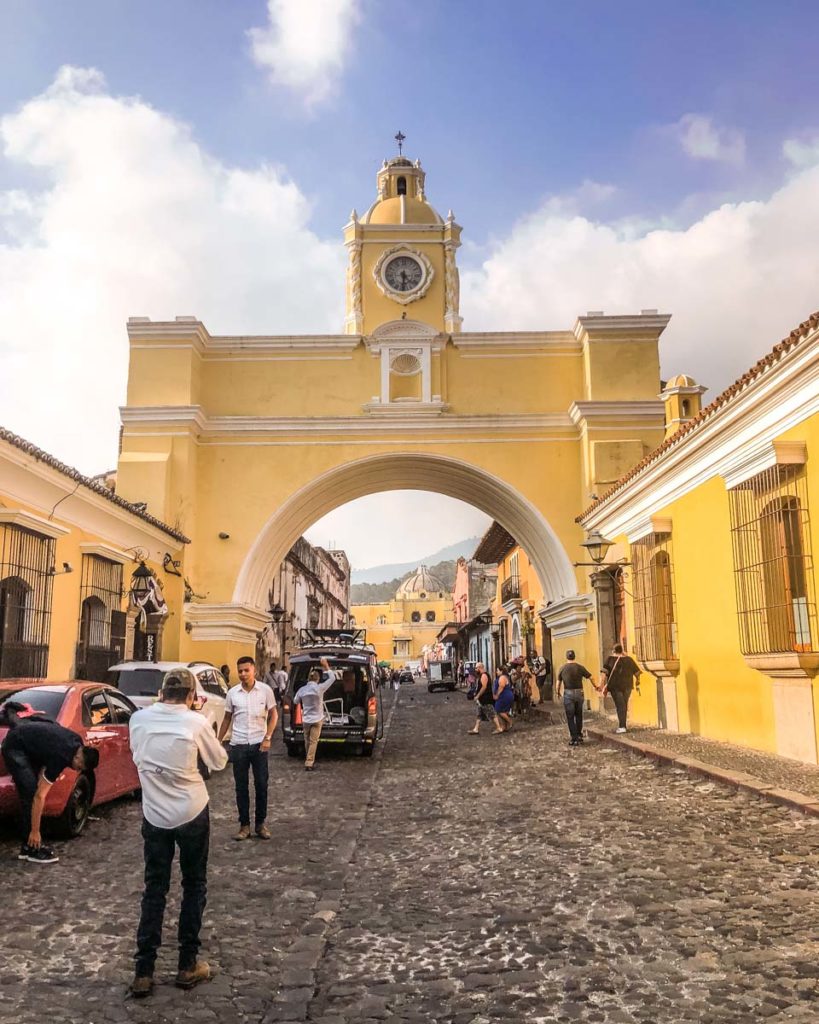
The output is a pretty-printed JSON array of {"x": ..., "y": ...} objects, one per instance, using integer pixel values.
[
  {"x": 243, "y": 833},
  {"x": 141, "y": 987},
  {"x": 199, "y": 972},
  {"x": 262, "y": 831}
]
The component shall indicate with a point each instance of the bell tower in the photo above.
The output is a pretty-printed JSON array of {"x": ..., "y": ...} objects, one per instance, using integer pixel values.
[{"x": 401, "y": 255}]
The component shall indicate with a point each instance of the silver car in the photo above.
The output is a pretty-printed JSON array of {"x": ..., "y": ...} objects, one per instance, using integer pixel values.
[{"x": 142, "y": 681}]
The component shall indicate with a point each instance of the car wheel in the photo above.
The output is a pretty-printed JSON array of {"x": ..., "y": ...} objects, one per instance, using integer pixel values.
[
  {"x": 292, "y": 750},
  {"x": 367, "y": 749},
  {"x": 72, "y": 821},
  {"x": 430, "y": 689}
]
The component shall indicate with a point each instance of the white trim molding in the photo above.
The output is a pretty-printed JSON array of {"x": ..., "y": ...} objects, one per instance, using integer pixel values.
[
  {"x": 107, "y": 552},
  {"x": 752, "y": 462},
  {"x": 651, "y": 409},
  {"x": 569, "y": 617},
  {"x": 654, "y": 524},
  {"x": 36, "y": 524},
  {"x": 232, "y": 623}
]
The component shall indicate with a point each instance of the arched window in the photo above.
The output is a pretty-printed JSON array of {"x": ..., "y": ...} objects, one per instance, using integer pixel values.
[
  {"x": 515, "y": 648},
  {"x": 15, "y": 598},
  {"x": 94, "y": 631},
  {"x": 401, "y": 186},
  {"x": 415, "y": 617},
  {"x": 381, "y": 620},
  {"x": 430, "y": 616},
  {"x": 685, "y": 407},
  {"x": 784, "y": 577}
]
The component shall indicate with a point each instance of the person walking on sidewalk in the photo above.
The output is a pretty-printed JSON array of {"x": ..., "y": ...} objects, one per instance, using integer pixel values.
[
  {"x": 168, "y": 742},
  {"x": 250, "y": 708},
  {"x": 504, "y": 694},
  {"x": 570, "y": 683},
  {"x": 37, "y": 751},
  {"x": 619, "y": 675},
  {"x": 484, "y": 700},
  {"x": 311, "y": 698}
]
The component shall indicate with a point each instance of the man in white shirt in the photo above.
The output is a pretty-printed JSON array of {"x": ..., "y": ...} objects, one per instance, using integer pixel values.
[
  {"x": 168, "y": 741},
  {"x": 311, "y": 698},
  {"x": 250, "y": 708},
  {"x": 276, "y": 679}
]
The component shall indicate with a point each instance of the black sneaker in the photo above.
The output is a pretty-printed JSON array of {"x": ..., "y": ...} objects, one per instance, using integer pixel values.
[
  {"x": 25, "y": 850},
  {"x": 41, "y": 855}
]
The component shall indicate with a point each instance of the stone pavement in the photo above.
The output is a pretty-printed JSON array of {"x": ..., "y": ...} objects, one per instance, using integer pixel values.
[{"x": 457, "y": 880}]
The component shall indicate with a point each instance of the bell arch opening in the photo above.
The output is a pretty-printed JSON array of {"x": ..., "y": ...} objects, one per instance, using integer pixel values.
[{"x": 406, "y": 471}]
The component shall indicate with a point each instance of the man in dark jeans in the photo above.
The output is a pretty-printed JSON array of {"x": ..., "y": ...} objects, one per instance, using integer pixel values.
[
  {"x": 37, "y": 751},
  {"x": 570, "y": 681},
  {"x": 620, "y": 673},
  {"x": 250, "y": 710},
  {"x": 169, "y": 740}
]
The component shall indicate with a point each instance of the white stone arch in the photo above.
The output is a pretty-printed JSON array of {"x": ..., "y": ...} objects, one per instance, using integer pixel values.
[{"x": 405, "y": 471}]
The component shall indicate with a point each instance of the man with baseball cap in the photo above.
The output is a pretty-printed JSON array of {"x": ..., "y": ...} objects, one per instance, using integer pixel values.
[{"x": 169, "y": 741}]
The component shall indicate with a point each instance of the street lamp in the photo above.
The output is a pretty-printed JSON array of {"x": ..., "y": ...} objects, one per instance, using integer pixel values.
[
  {"x": 141, "y": 583},
  {"x": 596, "y": 545},
  {"x": 277, "y": 613}
]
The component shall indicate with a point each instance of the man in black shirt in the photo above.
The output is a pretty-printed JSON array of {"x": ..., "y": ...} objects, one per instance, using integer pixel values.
[
  {"x": 36, "y": 752},
  {"x": 570, "y": 681}
]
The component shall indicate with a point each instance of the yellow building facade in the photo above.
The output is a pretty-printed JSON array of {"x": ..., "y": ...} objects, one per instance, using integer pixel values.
[
  {"x": 244, "y": 442},
  {"x": 85, "y": 578},
  {"x": 406, "y": 628},
  {"x": 716, "y": 530}
]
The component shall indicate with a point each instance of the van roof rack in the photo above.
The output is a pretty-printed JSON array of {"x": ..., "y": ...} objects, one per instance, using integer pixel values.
[{"x": 315, "y": 636}]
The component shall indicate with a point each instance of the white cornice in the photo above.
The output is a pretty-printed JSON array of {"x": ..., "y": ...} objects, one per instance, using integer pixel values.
[
  {"x": 757, "y": 459},
  {"x": 107, "y": 552},
  {"x": 569, "y": 617},
  {"x": 27, "y": 521},
  {"x": 654, "y": 524},
  {"x": 238, "y": 623},
  {"x": 187, "y": 333},
  {"x": 389, "y": 418},
  {"x": 633, "y": 325},
  {"x": 776, "y": 401},
  {"x": 579, "y": 411},
  {"x": 562, "y": 342}
]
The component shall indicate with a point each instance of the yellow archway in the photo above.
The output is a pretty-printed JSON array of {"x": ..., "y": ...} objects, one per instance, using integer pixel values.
[{"x": 405, "y": 471}]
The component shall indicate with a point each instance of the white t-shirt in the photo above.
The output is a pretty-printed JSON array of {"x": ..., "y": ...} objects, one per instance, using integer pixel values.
[
  {"x": 249, "y": 709},
  {"x": 165, "y": 742},
  {"x": 311, "y": 698}
]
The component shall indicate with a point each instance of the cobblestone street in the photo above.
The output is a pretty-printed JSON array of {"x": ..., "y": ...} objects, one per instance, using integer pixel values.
[{"x": 455, "y": 879}]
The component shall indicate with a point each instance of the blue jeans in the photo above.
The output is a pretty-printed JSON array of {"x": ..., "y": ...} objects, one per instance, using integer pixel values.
[
  {"x": 243, "y": 757},
  {"x": 573, "y": 701}
]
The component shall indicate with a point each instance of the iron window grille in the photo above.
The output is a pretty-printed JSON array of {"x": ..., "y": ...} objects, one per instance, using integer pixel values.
[
  {"x": 655, "y": 619},
  {"x": 773, "y": 562},
  {"x": 510, "y": 588},
  {"x": 102, "y": 622},
  {"x": 26, "y": 586}
]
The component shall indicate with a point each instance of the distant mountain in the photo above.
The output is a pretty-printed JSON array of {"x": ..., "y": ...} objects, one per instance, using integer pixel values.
[{"x": 387, "y": 573}]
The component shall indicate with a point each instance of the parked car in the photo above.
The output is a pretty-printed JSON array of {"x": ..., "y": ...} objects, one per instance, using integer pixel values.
[
  {"x": 440, "y": 676},
  {"x": 100, "y": 714},
  {"x": 352, "y": 705},
  {"x": 142, "y": 681}
]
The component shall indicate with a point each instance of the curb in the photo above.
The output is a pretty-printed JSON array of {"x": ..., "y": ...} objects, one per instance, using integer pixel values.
[{"x": 741, "y": 781}]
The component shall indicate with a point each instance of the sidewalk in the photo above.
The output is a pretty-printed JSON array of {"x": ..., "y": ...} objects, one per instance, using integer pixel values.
[{"x": 773, "y": 778}]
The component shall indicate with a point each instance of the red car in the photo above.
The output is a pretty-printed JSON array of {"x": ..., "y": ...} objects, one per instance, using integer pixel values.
[{"x": 100, "y": 714}]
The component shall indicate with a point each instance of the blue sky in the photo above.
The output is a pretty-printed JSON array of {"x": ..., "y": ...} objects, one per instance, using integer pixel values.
[{"x": 200, "y": 157}]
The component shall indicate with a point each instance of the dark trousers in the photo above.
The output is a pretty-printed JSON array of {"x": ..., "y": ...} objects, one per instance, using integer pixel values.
[
  {"x": 160, "y": 844},
  {"x": 25, "y": 780},
  {"x": 620, "y": 698},
  {"x": 573, "y": 706},
  {"x": 243, "y": 757}
]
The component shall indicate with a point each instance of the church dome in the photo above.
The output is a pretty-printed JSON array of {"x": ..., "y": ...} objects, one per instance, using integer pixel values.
[
  {"x": 682, "y": 380},
  {"x": 401, "y": 210},
  {"x": 420, "y": 586}
]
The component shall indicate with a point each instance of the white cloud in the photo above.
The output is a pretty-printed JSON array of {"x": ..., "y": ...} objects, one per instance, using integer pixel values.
[
  {"x": 736, "y": 281},
  {"x": 801, "y": 152},
  {"x": 701, "y": 139},
  {"x": 134, "y": 219},
  {"x": 305, "y": 43}
]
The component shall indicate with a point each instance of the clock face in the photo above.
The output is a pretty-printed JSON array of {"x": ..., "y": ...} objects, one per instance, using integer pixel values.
[{"x": 403, "y": 274}]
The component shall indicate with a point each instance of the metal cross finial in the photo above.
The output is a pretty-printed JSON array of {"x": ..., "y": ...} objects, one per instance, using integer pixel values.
[{"x": 399, "y": 138}]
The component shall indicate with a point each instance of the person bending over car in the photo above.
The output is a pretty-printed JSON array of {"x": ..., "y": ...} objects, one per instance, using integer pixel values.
[{"x": 37, "y": 751}]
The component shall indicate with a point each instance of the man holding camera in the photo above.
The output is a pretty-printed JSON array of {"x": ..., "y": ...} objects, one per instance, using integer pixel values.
[{"x": 169, "y": 742}]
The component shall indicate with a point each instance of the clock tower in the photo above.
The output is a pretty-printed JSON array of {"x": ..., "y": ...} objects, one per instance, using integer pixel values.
[{"x": 402, "y": 256}]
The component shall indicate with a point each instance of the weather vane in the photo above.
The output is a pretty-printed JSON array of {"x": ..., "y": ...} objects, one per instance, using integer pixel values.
[{"x": 399, "y": 138}]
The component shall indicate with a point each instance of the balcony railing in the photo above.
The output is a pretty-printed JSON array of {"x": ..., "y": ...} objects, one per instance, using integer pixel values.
[{"x": 510, "y": 589}]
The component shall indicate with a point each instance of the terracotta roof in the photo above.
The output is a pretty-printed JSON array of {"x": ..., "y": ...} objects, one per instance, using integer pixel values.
[
  {"x": 795, "y": 338},
  {"x": 495, "y": 544},
  {"x": 91, "y": 483}
]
